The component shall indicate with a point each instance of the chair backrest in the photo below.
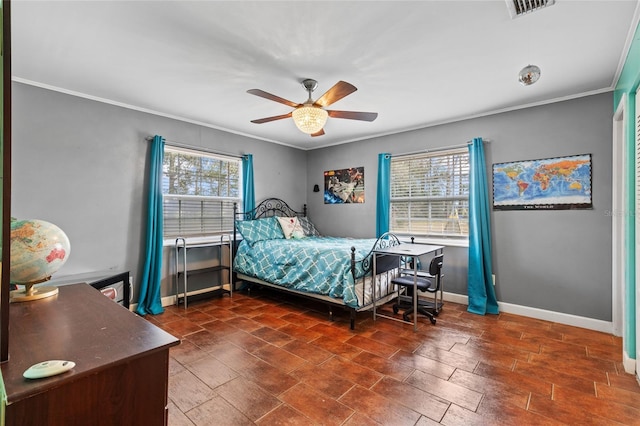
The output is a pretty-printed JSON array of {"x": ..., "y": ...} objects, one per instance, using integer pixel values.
[{"x": 435, "y": 267}]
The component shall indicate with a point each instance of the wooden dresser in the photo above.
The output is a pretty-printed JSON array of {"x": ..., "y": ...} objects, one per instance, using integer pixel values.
[{"x": 122, "y": 362}]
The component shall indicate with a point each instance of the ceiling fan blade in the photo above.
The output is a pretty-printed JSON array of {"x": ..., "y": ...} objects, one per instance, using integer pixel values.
[
  {"x": 318, "y": 133},
  {"x": 268, "y": 119},
  {"x": 337, "y": 92},
  {"x": 271, "y": 97},
  {"x": 353, "y": 115}
]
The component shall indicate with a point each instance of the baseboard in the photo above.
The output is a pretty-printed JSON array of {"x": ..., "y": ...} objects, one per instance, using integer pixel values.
[
  {"x": 628, "y": 363},
  {"x": 165, "y": 301},
  {"x": 168, "y": 301},
  {"x": 171, "y": 300},
  {"x": 456, "y": 298},
  {"x": 527, "y": 311}
]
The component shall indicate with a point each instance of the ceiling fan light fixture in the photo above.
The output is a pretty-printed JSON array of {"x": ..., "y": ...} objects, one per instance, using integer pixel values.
[
  {"x": 529, "y": 75},
  {"x": 309, "y": 119},
  {"x": 311, "y": 116}
]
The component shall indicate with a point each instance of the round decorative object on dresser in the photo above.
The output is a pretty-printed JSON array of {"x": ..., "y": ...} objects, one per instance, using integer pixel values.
[{"x": 38, "y": 250}]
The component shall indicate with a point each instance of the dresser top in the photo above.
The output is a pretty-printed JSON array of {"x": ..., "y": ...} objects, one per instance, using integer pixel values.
[{"x": 78, "y": 324}]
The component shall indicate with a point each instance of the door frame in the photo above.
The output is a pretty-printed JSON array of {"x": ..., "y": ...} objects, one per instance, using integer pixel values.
[{"x": 619, "y": 216}]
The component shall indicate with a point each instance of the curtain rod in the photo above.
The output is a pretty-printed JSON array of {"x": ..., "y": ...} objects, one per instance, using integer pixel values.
[
  {"x": 193, "y": 147},
  {"x": 442, "y": 148}
]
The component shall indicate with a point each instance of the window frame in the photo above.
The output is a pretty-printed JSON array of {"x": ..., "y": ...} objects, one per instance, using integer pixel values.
[
  {"x": 427, "y": 237},
  {"x": 169, "y": 239}
]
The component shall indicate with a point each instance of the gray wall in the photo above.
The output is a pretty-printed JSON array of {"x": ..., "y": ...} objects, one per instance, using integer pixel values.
[
  {"x": 553, "y": 260},
  {"x": 81, "y": 165}
]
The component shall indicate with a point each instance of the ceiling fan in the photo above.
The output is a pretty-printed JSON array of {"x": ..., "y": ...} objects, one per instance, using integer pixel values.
[{"x": 310, "y": 116}]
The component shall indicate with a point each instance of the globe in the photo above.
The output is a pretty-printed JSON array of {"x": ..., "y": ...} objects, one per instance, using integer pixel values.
[{"x": 38, "y": 250}]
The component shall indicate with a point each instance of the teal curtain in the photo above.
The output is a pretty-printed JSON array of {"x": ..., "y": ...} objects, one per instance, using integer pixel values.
[
  {"x": 248, "y": 191},
  {"x": 383, "y": 200},
  {"x": 482, "y": 297},
  {"x": 149, "y": 298}
]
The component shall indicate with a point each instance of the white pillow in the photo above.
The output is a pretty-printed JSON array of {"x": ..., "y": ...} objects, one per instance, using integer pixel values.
[{"x": 291, "y": 227}]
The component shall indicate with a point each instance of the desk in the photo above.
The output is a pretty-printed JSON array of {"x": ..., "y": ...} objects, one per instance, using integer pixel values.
[
  {"x": 181, "y": 245},
  {"x": 414, "y": 250}
]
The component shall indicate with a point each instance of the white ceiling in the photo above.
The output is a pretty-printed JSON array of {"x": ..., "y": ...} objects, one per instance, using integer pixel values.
[{"x": 416, "y": 63}]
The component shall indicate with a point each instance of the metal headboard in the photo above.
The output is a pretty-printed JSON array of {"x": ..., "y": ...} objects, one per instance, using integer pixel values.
[
  {"x": 266, "y": 208},
  {"x": 269, "y": 207}
]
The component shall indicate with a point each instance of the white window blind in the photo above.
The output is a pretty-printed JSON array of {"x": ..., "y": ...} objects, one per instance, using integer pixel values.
[
  {"x": 199, "y": 190},
  {"x": 430, "y": 194}
]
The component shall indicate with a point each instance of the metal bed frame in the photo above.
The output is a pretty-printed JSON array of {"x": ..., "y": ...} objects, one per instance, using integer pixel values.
[{"x": 277, "y": 207}]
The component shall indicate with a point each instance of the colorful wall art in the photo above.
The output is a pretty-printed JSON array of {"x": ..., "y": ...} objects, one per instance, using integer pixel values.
[
  {"x": 344, "y": 186},
  {"x": 549, "y": 184}
]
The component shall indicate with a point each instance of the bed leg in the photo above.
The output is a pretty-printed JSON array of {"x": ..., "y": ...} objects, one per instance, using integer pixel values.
[
  {"x": 330, "y": 314},
  {"x": 353, "y": 319}
]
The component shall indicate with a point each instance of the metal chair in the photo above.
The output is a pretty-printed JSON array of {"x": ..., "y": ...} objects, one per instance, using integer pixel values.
[{"x": 430, "y": 282}]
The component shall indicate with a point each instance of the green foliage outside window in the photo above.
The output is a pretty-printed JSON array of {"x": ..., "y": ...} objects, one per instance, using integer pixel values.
[
  {"x": 430, "y": 194},
  {"x": 199, "y": 191}
]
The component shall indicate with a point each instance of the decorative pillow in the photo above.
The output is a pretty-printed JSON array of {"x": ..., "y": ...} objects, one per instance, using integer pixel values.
[
  {"x": 260, "y": 229},
  {"x": 291, "y": 228},
  {"x": 308, "y": 228}
]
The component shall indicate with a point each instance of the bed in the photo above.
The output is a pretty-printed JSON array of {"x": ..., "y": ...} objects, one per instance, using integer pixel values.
[{"x": 278, "y": 247}]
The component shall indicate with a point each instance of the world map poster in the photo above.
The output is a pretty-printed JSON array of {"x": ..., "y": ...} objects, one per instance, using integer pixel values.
[{"x": 547, "y": 184}]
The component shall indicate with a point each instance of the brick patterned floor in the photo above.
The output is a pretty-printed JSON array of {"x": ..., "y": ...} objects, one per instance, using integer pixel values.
[{"x": 267, "y": 358}]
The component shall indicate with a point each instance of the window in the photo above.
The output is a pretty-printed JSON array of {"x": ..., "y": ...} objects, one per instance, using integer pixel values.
[
  {"x": 199, "y": 190},
  {"x": 430, "y": 194}
]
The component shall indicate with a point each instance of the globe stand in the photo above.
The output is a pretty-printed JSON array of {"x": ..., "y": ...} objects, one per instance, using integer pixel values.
[{"x": 33, "y": 293}]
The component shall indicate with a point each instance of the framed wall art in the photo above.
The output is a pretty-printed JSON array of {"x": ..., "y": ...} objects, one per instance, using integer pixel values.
[
  {"x": 559, "y": 183},
  {"x": 344, "y": 186}
]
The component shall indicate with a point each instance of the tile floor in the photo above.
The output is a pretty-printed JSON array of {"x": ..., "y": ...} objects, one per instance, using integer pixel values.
[{"x": 270, "y": 359}]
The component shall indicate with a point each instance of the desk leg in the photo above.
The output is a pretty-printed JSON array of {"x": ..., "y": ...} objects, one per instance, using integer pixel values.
[
  {"x": 415, "y": 294},
  {"x": 373, "y": 282}
]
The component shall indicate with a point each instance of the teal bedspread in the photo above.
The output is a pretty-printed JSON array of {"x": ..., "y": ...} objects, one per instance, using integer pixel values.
[{"x": 320, "y": 265}]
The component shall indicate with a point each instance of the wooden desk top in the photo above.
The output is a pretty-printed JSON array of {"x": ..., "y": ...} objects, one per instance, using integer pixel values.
[{"x": 79, "y": 324}]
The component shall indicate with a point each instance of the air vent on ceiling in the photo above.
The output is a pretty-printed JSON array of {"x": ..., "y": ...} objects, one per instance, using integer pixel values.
[{"x": 522, "y": 7}]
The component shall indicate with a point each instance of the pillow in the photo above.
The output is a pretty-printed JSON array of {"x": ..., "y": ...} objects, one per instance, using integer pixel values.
[
  {"x": 308, "y": 228},
  {"x": 291, "y": 228},
  {"x": 264, "y": 229}
]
